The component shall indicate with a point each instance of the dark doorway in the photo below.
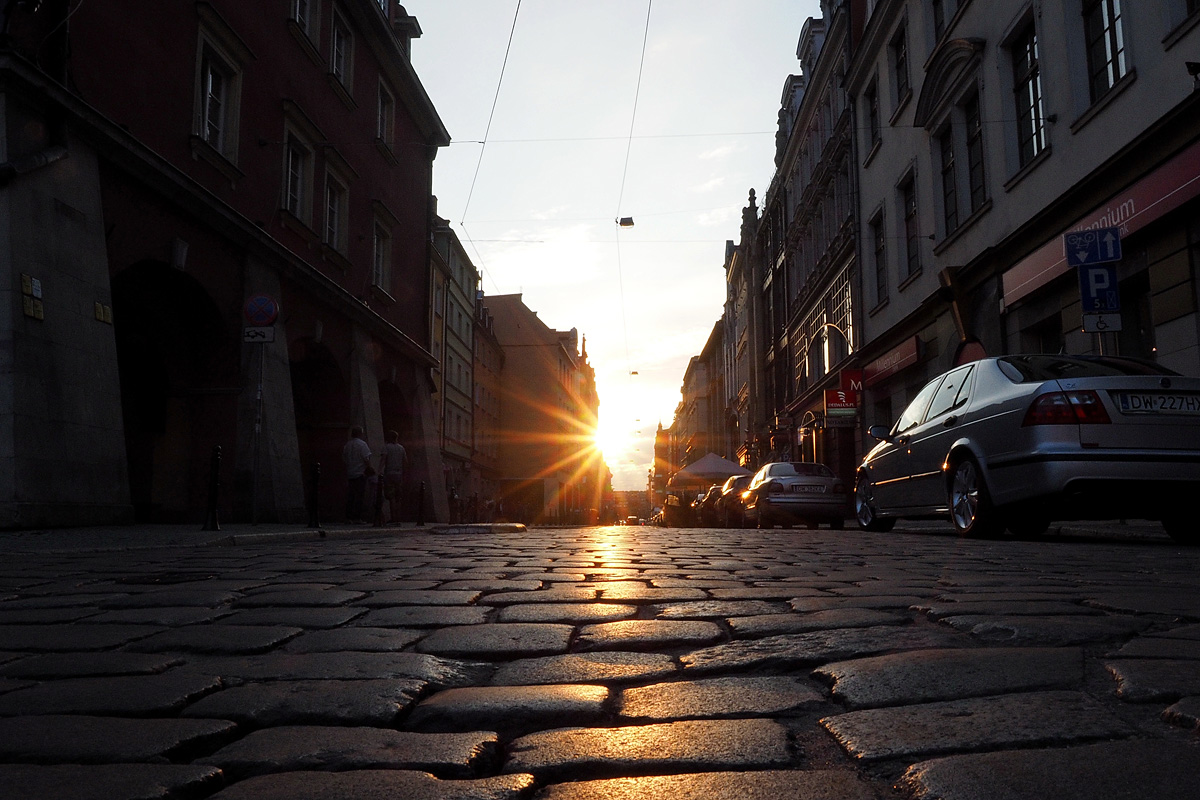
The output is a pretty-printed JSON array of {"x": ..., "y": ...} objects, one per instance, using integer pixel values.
[
  {"x": 179, "y": 384},
  {"x": 321, "y": 396}
]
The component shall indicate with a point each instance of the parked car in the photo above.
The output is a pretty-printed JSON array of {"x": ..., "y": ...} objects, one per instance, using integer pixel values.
[
  {"x": 706, "y": 507},
  {"x": 789, "y": 492},
  {"x": 1019, "y": 441},
  {"x": 729, "y": 505}
]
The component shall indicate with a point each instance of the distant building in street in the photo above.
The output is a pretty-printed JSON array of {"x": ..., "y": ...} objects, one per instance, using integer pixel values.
[
  {"x": 551, "y": 469},
  {"x": 216, "y": 226},
  {"x": 456, "y": 287},
  {"x": 700, "y": 424},
  {"x": 483, "y": 489}
]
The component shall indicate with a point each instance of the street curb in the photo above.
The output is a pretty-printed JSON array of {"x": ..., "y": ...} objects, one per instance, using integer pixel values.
[
  {"x": 318, "y": 534},
  {"x": 125, "y": 538}
]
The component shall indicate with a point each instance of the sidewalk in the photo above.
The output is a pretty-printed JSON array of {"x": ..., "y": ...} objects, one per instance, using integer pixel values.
[{"x": 144, "y": 536}]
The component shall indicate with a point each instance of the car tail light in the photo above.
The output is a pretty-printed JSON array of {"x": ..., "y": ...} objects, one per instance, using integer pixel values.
[
  {"x": 1080, "y": 407},
  {"x": 839, "y": 487},
  {"x": 774, "y": 488}
]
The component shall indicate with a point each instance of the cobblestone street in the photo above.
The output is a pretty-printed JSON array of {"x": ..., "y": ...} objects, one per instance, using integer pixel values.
[{"x": 610, "y": 662}]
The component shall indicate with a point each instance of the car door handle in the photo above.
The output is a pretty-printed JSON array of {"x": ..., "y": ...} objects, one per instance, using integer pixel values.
[{"x": 950, "y": 422}]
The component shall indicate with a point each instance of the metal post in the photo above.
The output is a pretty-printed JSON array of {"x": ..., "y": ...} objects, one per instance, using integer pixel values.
[
  {"x": 212, "y": 523},
  {"x": 314, "y": 516},
  {"x": 379, "y": 488},
  {"x": 421, "y": 507},
  {"x": 258, "y": 421}
]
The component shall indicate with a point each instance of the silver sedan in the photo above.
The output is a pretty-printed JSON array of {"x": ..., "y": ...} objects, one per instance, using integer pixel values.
[
  {"x": 1018, "y": 441},
  {"x": 787, "y": 492}
]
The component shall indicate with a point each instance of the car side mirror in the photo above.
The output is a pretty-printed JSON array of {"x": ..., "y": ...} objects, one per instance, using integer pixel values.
[{"x": 880, "y": 432}]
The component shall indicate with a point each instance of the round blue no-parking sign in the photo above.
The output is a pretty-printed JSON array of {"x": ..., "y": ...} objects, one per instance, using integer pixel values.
[{"x": 261, "y": 310}]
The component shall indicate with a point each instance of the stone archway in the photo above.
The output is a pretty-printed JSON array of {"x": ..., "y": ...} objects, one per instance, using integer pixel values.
[
  {"x": 321, "y": 398},
  {"x": 397, "y": 414},
  {"x": 179, "y": 371}
]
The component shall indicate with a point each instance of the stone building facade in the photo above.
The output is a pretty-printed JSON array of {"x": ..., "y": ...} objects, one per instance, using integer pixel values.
[{"x": 213, "y": 235}]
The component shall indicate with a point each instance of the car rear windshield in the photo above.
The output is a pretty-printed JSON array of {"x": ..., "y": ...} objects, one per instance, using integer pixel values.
[
  {"x": 1045, "y": 368},
  {"x": 809, "y": 470}
]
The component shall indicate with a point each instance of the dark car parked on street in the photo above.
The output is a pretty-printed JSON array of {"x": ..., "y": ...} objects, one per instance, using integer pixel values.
[
  {"x": 1019, "y": 441},
  {"x": 730, "y": 506},
  {"x": 706, "y": 507}
]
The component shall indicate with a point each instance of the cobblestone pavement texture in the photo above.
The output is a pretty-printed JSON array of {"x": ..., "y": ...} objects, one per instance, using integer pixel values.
[{"x": 607, "y": 662}]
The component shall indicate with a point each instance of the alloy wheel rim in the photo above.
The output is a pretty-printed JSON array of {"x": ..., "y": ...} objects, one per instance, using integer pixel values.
[{"x": 965, "y": 495}]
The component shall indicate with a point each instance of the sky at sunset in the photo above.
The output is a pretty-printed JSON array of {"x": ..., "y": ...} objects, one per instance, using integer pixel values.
[{"x": 576, "y": 142}]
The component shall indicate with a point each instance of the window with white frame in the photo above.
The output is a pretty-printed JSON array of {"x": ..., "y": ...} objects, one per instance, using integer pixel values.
[
  {"x": 1105, "y": 33},
  {"x": 947, "y": 169},
  {"x": 976, "y": 177},
  {"x": 871, "y": 101},
  {"x": 385, "y": 117},
  {"x": 337, "y": 212},
  {"x": 912, "y": 227},
  {"x": 216, "y": 81},
  {"x": 297, "y": 177},
  {"x": 341, "y": 51},
  {"x": 305, "y": 14},
  {"x": 899, "y": 57},
  {"x": 220, "y": 57},
  {"x": 381, "y": 259},
  {"x": 1027, "y": 94},
  {"x": 879, "y": 251}
]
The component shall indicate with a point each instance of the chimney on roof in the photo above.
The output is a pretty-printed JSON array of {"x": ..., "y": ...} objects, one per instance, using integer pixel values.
[{"x": 406, "y": 28}]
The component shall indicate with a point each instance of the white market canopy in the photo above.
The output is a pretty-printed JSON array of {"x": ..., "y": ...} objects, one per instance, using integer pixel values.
[{"x": 708, "y": 470}]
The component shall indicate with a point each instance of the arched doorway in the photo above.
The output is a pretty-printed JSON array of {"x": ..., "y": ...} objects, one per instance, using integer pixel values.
[
  {"x": 179, "y": 371},
  {"x": 320, "y": 394},
  {"x": 397, "y": 414}
]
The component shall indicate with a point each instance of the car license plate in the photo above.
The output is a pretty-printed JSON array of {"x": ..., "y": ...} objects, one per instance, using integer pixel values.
[
  {"x": 1158, "y": 403},
  {"x": 808, "y": 489}
]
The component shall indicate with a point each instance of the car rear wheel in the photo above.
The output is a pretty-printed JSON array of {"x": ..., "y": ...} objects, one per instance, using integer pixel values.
[
  {"x": 864, "y": 508},
  {"x": 760, "y": 519},
  {"x": 971, "y": 508},
  {"x": 1184, "y": 531}
]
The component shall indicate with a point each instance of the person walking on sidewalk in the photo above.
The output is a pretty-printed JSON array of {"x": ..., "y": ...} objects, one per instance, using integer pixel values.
[
  {"x": 356, "y": 455},
  {"x": 394, "y": 456}
]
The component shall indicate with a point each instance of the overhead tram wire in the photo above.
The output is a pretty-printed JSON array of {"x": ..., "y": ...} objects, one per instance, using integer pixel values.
[
  {"x": 621, "y": 194},
  {"x": 483, "y": 145}
]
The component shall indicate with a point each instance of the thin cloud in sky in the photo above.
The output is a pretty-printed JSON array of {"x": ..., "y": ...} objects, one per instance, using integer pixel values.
[{"x": 724, "y": 151}]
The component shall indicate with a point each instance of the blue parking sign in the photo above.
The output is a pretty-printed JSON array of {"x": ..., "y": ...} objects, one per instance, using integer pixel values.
[
  {"x": 1092, "y": 246},
  {"x": 1098, "y": 288}
]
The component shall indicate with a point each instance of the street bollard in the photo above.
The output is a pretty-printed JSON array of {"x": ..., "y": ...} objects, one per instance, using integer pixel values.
[
  {"x": 378, "y": 515},
  {"x": 314, "y": 501},
  {"x": 421, "y": 507},
  {"x": 211, "y": 522}
]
